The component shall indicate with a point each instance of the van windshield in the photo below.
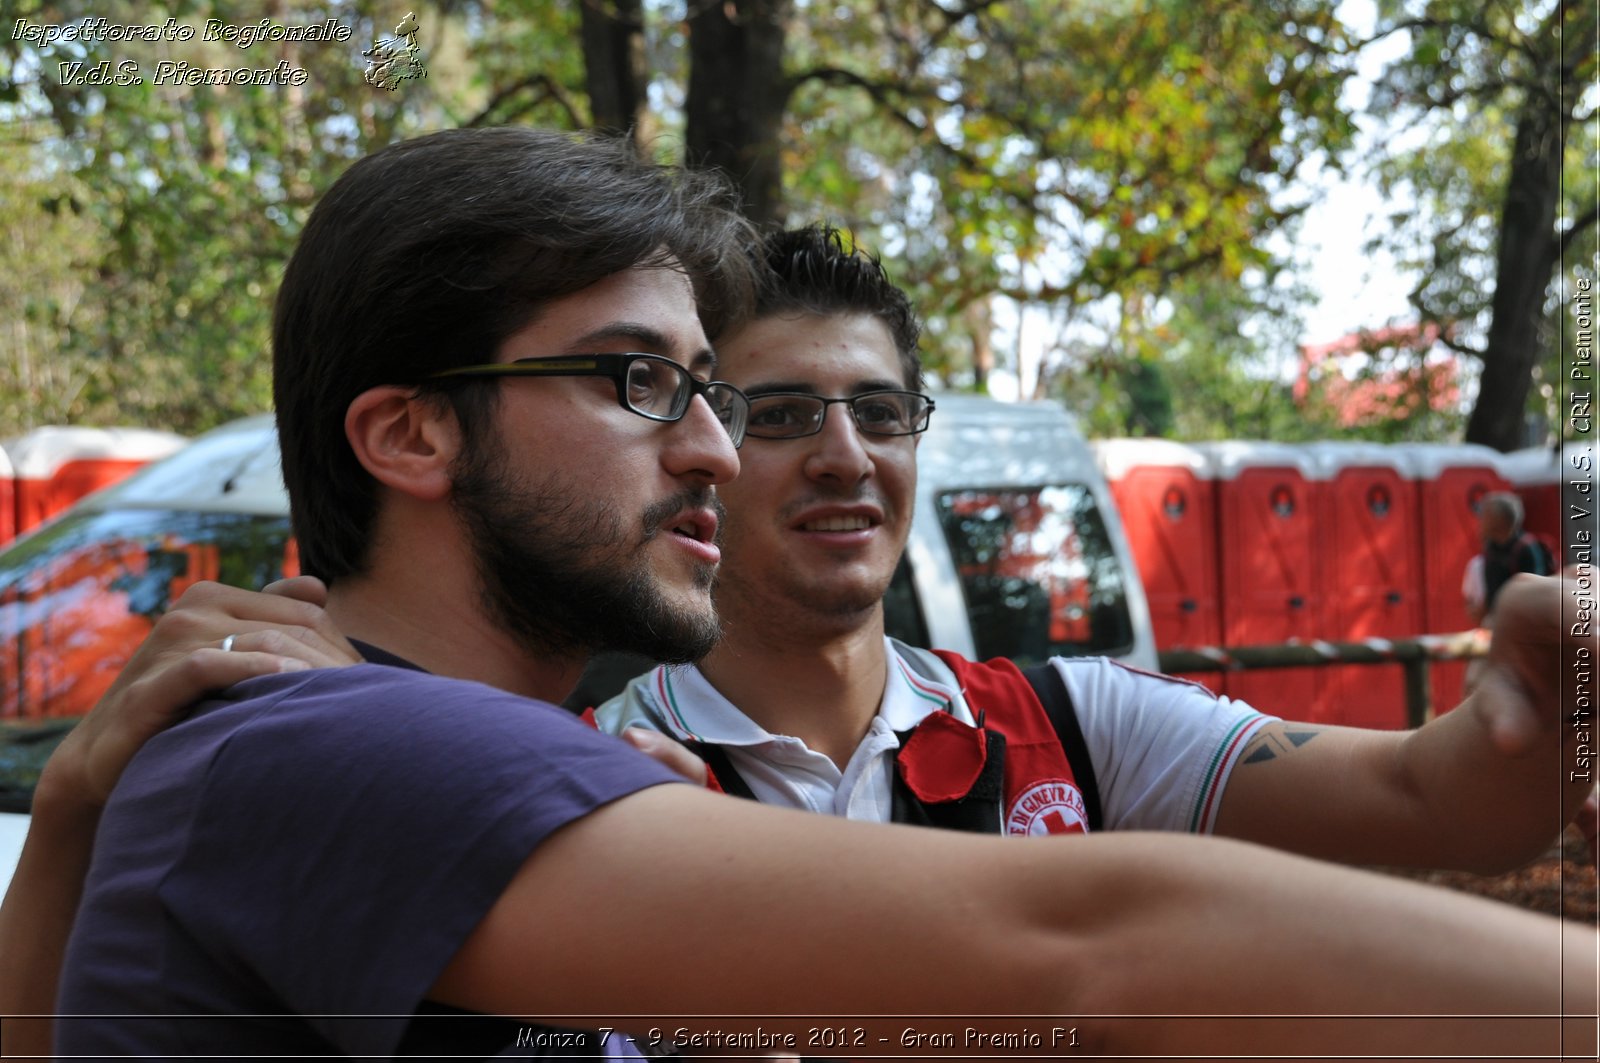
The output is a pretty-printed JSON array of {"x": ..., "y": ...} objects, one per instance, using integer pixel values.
[{"x": 1038, "y": 572}]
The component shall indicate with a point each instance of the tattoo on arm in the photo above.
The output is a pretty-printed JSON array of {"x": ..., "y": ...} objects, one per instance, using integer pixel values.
[{"x": 1277, "y": 740}]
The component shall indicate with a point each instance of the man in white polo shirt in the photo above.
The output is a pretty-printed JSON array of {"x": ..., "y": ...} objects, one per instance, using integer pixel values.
[{"x": 805, "y": 703}]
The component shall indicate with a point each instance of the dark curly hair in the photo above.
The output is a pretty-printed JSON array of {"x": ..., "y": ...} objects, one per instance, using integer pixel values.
[{"x": 820, "y": 270}]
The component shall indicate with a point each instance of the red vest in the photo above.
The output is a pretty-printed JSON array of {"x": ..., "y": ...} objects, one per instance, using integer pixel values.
[
  {"x": 1042, "y": 794},
  {"x": 1011, "y": 775}
]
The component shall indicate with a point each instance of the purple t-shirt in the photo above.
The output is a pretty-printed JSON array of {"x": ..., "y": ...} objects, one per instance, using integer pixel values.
[{"x": 317, "y": 846}]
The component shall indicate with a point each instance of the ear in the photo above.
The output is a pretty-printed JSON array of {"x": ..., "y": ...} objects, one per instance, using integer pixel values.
[{"x": 405, "y": 441}]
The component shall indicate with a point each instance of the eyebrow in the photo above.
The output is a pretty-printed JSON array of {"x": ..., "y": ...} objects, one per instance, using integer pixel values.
[
  {"x": 801, "y": 387},
  {"x": 649, "y": 340}
]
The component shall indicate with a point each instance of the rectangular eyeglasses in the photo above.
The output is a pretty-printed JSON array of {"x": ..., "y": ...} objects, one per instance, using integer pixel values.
[
  {"x": 793, "y": 415},
  {"x": 647, "y": 384}
]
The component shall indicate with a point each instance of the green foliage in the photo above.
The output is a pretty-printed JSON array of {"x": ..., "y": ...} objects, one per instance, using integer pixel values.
[
  {"x": 520, "y": 66},
  {"x": 1226, "y": 362},
  {"x": 1120, "y": 159},
  {"x": 1477, "y": 72},
  {"x": 1210, "y": 352},
  {"x": 155, "y": 219},
  {"x": 1062, "y": 153}
]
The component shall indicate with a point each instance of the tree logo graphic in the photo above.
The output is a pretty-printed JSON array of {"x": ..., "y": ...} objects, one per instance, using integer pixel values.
[{"x": 396, "y": 58}]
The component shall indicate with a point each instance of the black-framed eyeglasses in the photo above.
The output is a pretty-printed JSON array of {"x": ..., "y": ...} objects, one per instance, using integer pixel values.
[
  {"x": 647, "y": 384},
  {"x": 792, "y": 415}
]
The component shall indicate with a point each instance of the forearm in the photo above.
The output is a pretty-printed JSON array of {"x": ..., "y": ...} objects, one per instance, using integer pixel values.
[
  {"x": 37, "y": 913},
  {"x": 1444, "y": 796},
  {"x": 809, "y": 915},
  {"x": 1256, "y": 934},
  {"x": 1491, "y": 783},
  {"x": 1476, "y": 807}
]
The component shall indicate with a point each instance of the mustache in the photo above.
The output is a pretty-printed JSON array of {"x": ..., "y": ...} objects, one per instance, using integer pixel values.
[
  {"x": 657, "y": 514},
  {"x": 845, "y": 495}
]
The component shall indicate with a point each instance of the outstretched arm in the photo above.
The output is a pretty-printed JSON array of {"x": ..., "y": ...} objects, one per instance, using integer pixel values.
[
  {"x": 1125, "y": 928},
  {"x": 1483, "y": 788},
  {"x": 180, "y": 661}
]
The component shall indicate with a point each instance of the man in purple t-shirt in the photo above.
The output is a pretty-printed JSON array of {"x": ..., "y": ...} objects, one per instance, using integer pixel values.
[
  {"x": 500, "y": 439},
  {"x": 339, "y": 836}
]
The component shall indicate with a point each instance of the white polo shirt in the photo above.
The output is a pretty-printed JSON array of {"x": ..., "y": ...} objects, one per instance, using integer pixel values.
[{"x": 1162, "y": 748}]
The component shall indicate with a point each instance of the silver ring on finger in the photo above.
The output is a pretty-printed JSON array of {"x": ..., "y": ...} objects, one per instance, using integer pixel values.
[{"x": 227, "y": 644}]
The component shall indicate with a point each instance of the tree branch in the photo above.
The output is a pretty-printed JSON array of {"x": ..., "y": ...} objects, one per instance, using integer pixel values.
[
  {"x": 881, "y": 94},
  {"x": 552, "y": 90},
  {"x": 1579, "y": 224},
  {"x": 1456, "y": 345},
  {"x": 1446, "y": 326}
]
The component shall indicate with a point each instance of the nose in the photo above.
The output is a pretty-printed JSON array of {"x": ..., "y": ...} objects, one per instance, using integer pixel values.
[
  {"x": 700, "y": 447},
  {"x": 838, "y": 452}
]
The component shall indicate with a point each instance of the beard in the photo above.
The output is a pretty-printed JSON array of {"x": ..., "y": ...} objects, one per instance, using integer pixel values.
[{"x": 564, "y": 575}]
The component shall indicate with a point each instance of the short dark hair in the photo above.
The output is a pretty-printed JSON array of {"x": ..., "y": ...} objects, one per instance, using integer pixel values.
[
  {"x": 820, "y": 270},
  {"x": 430, "y": 253}
]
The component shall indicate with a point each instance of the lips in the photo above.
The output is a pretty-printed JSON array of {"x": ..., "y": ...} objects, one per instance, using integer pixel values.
[
  {"x": 692, "y": 515},
  {"x": 699, "y": 525},
  {"x": 693, "y": 529}
]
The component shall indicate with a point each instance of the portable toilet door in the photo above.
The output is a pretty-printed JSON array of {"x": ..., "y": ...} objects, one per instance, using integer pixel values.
[
  {"x": 56, "y": 466},
  {"x": 1536, "y": 476},
  {"x": 8, "y": 504},
  {"x": 1266, "y": 531},
  {"x": 1452, "y": 481},
  {"x": 1372, "y": 573},
  {"x": 1166, "y": 495}
]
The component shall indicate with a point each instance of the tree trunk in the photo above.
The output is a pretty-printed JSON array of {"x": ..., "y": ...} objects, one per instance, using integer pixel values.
[
  {"x": 614, "y": 65},
  {"x": 1530, "y": 250},
  {"x": 737, "y": 96},
  {"x": 980, "y": 327}
]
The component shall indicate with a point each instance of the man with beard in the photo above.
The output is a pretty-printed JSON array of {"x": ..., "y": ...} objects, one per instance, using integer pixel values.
[
  {"x": 432, "y": 383},
  {"x": 409, "y": 838}
]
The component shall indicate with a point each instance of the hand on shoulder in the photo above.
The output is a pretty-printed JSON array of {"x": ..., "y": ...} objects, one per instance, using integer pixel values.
[{"x": 282, "y": 628}]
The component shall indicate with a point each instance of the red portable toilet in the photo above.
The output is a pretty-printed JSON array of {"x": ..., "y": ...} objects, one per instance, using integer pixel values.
[
  {"x": 56, "y": 466},
  {"x": 8, "y": 505},
  {"x": 1538, "y": 475},
  {"x": 1166, "y": 495},
  {"x": 1371, "y": 568},
  {"x": 1452, "y": 480},
  {"x": 1266, "y": 531}
]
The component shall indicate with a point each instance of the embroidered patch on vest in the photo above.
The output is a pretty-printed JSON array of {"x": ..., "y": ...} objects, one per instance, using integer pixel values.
[
  {"x": 1054, "y": 807},
  {"x": 942, "y": 758}
]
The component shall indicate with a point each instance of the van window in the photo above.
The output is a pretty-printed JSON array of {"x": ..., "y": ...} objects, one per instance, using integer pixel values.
[{"x": 1038, "y": 572}]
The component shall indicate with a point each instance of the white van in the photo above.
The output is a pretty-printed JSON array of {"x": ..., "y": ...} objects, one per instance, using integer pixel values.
[{"x": 1016, "y": 550}]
